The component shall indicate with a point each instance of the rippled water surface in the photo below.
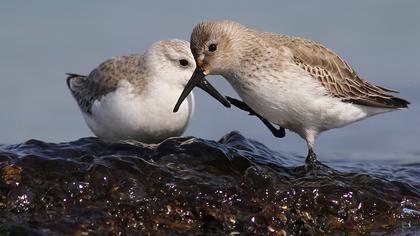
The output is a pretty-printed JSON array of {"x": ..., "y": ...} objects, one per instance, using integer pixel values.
[{"x": 194, "y": 186}]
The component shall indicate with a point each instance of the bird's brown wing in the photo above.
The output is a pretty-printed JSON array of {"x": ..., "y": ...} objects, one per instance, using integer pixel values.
[
  {"x": 338, "y": 77},
  {"x": 104, "y": 79},
  {"x": 86, "y": 89}
]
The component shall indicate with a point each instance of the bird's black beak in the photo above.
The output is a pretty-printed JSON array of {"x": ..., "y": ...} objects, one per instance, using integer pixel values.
[{"x": 197, "y": 79}]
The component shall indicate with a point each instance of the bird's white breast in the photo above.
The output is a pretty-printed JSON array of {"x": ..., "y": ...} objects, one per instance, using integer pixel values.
[
  {"x": 147, "y": 117},
  {"x": 296, "y": 101}
]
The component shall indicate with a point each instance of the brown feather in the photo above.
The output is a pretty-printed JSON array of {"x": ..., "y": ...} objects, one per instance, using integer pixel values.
[{"x": 338, "y": 77}]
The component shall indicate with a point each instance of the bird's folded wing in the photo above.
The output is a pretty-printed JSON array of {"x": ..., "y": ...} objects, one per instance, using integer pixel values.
[
  {"x": 338, "y": 77},
  {"x": 104, "y": 79},
  {"x": 86, "y": 89}
]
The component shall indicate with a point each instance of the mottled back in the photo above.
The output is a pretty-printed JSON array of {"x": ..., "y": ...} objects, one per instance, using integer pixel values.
[
  {"x": 335, "y": 75},
  {"x": 105, "y": 78}
]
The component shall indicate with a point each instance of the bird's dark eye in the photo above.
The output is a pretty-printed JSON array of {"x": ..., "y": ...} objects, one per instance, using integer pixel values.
[
  {"x": 183, "y": 62},
  {"x": 212, "y": 47}
]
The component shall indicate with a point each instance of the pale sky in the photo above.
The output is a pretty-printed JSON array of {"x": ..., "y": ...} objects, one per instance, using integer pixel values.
[{"x": 41, "y": 41}]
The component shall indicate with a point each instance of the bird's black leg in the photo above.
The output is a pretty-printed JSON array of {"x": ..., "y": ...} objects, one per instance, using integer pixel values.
[
  {"x": 311, "y": 158},
  {"x": 279, "y": 133}
]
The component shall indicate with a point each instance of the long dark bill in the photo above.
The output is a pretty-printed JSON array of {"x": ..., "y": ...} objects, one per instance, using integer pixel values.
[
  {"x": 208, "y": 88},
  {"x": 197, "y": 79}
]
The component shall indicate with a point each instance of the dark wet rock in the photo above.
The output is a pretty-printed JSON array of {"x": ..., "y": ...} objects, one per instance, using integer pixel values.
[{"x": 194, "y": 186}]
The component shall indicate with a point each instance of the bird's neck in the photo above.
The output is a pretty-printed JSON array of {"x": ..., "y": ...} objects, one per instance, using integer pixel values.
[{"x": 242, "y": 53}]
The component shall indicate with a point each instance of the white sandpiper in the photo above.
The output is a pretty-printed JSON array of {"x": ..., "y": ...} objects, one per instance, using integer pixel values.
[
  {"x": 294, "y": 82},
  {"x": 131, "y": 96}
]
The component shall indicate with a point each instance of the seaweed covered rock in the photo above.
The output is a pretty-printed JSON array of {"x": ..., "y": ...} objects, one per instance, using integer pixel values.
[{"x": 189, "y": 185}]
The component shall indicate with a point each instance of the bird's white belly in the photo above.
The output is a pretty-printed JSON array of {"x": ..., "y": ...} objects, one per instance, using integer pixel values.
[
  {"x": 122, "y": 115},
  {"x": 300, "y": 104}
]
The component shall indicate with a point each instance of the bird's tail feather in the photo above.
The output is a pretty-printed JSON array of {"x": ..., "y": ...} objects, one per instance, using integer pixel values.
[{"x": 74, "y": 80}]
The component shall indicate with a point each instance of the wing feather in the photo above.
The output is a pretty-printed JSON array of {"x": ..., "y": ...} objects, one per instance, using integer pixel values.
[
  {"x": 104, "y": 79},
  {"x": 338, "y": 77}
]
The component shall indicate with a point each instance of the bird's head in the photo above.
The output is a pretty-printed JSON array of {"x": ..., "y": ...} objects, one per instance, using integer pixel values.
[{"x": 213, "y": 45}]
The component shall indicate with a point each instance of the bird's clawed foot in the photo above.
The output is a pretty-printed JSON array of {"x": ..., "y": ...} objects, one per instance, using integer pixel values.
[
  {"x": 279, "y": 133},
  {"x": 311, "y": 158}
]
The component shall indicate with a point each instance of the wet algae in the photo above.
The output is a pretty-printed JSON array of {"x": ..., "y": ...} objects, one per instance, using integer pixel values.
[{"x": 190, "y": 186}]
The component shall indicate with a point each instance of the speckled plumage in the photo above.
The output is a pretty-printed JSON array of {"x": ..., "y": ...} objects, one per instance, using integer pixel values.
[
  {"x": 104, "y": 79},
  {"x": 294, "y": 82},
  {"x": 131, "y": 96}
]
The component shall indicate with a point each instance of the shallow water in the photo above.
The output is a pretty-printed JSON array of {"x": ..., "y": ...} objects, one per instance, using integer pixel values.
[{"x": 193, "y": 186}]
